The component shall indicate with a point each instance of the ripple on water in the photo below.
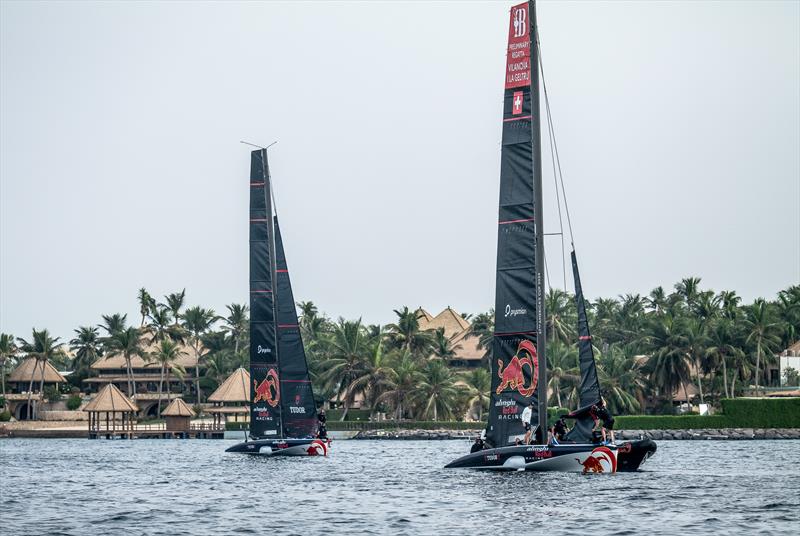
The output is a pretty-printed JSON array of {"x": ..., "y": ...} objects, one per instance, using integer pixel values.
[{"x": 369, "y": 487}]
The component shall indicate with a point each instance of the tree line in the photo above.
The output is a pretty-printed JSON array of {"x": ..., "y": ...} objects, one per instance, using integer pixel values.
[{"x": 647, "y": 348}]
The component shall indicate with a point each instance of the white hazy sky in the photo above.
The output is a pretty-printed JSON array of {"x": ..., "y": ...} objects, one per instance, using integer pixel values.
[{"x": 120, "y": 167}]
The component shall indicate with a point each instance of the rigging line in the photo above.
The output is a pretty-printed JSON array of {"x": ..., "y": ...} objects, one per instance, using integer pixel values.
[
  {"x": 558, "y": 202},
  {"x": 555, "y": 146}
]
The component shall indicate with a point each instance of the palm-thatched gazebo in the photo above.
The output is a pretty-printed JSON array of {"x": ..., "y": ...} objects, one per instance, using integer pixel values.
[
  {"x": 178, "y": 416},
  {"x": 231, "y": 399},
  {"x": 112, "y": 408}
]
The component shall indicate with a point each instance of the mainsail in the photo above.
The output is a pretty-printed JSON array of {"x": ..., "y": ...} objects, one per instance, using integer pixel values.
[
  {"x": 590, "y": 385},
  {"x": 265, "y": 407},
  {"x": 281, "y": 400},
  {"x": 518, "y": 373}
]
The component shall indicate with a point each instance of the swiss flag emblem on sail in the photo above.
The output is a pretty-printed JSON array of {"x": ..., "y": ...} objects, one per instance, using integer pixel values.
[{"x": 516, "y": 103}]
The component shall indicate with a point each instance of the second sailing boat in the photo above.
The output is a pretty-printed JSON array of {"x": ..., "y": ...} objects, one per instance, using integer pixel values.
[{"x": 283, "y": 414}]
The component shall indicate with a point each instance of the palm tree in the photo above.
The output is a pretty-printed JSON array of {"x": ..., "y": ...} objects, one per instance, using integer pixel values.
[
  {"x": 197, "y": 321},
  {"x": 7, "y": 350},
  {"x": 561, "y": 316},
  {"x": 721, "y": 346},
  {"x": 443, "y": 348},
  {"x": 788, "y": 308},
  {"x": 346, "y": 360},
  {"x": 657, "y": 300},
  {"x": 621, "y": 381},
  {"x": 406, "y": 335},
  {"x": 562, "y": 367},
  {"x": 761, "y": 332},
  {"x": 175, "y": 302},
  {"x": 436, "y": 392},
  {"x": 128, "y": 344},
  {"x": 86, "y": 345},
  {"x": 401, "y": 382},
  {"x": 236, "y": 323},
  {"x": 688, "y": 289},
  {"x": 667, "y": 366},
  {"x": 114, "y": 323},
  {"x": 166, "y": 355},
  {"x": 161, "y": 326},
  {"x": 696, "y": 339},
  {"x": 369, "y": 375},
  {"x": 146, "y": 304},
  {"x": 42, "y": 348},
  {"x": 478, "y": 382},
  {"x": 483, "y": 328}
]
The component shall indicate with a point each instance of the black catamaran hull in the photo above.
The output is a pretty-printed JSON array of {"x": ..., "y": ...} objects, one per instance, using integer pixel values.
[
  {"x": 282, "y": 447},
  {"x": 572, "y": 458}
]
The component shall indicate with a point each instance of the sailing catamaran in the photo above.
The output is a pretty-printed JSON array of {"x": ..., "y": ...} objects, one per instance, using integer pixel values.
[
  {"x": 283, "y": 414},
  {"x": 519, "y": 368}
]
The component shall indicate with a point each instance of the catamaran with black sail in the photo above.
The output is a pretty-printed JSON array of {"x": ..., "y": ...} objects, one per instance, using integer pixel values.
[
  {"x": 283, "y": 414},
  {"x": 519, "y": 367}
]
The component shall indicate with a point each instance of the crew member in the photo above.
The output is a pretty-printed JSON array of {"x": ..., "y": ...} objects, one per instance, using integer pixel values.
[
  {"x": 600, "y": 414},
  {"x": 526, "y": 416},
  {"x": 322, "y": 432},
  {"x": 478, "y": 445},
  {"x": 560, "y": 429},
  {"x": 551, "y": 436}
]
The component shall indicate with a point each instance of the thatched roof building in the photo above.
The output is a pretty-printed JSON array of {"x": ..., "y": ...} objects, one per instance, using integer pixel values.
[
  {"x": 110, "y": 399},
  {"x": 232, "y": 398},
  {"x": 178, "y": 408},
  {"x": 458, "y": 330},
  {"x": 30, "y": 365}
]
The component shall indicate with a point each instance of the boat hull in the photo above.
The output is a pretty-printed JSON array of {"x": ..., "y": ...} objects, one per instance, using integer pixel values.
[
  {"x": 282, "y": 447},
  {"x": 570, "y": 458}
]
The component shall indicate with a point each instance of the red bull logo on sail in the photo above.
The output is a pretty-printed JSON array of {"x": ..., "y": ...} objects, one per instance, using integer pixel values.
[
  {"x": 512, "y": 375},
  {"x": 264, "y": 390}
]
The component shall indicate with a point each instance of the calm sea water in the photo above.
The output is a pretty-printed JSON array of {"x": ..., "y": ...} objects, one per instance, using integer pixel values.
[{"x": 75, "y": 486}]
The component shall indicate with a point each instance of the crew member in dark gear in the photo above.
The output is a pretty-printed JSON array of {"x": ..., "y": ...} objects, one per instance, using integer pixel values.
[
  {"x": 478, "y": 445},
  {"x": 322, "y": 432},
  {"x": 599, "y": 413},
  {"x": 560, "y": 428}
]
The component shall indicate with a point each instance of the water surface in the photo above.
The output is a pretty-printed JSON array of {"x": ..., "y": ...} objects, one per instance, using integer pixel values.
[{"x": 191, "y": 487}]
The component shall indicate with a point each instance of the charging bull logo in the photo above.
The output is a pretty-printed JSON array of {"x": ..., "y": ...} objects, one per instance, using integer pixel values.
[
  {"x": 265, "y": 389},
  {"x": 512, "y": 376},
  {"x": 317, "y": 448},
  {"x": 599, "y": 460}
]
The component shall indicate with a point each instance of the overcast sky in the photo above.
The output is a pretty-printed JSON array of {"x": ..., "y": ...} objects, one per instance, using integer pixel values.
[{"x": 120, "y": 164}]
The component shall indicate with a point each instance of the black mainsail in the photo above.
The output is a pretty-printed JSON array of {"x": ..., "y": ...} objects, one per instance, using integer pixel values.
[
  {"x": 265, "y": 407},
  {"x": 281, "y": 400},
  {"x": 518, "y": 367},
  {"x": 590, "y": 384}
]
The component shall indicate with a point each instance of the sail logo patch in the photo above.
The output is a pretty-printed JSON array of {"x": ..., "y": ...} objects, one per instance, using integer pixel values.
[
  {"x": 520, "y": 16},
  {"x": 512, "y": 376},
  {"x": 268, "y": 390},
  {"x": 516, "y": 108},
  {"x": 514, "y": 312}
]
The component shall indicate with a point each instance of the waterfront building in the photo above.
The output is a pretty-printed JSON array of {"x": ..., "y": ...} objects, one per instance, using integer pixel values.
[
  {"x": 458, "y": 331},
  {"x": 20, "y": 380},
  {"x": 789, "y": 359},
  {"x": 179, "y": 383},
  {"x": 111, "y": 414},
  {"x": 231, "y": 400}
]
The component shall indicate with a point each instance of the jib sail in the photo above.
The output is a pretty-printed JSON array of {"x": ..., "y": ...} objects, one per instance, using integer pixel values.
[
  {"x": 517, "y": 371},
  {"x": 590, "y": 385},
  {"x": 297, "y": 398},
  {"x": 265, "y": 395}
]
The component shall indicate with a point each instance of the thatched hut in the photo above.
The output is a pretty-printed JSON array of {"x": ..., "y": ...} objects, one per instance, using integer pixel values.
[
  {"x": 178, "y": 416},
  {"x": 20, "y": 381},
  {"x": 111, "y": 413},
  {"x": 231, "y": 399}
]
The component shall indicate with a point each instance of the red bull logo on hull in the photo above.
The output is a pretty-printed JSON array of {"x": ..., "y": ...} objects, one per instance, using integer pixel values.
[
  {"x": 512, "y": 375},
  {"x": 601, "y": 460}
]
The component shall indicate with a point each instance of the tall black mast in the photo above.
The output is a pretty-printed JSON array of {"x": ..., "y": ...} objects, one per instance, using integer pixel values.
[{"x": 536, "y": 148}]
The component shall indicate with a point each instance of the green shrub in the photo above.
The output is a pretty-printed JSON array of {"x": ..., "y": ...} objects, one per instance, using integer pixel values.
[
  {"x": 2, "y": 401},
  {"x": 52, "y": 393},
  {"x": 670, "y": 422},
  {"x": 74, "y": 402},
  {"x": 231, "y": 425},
  {"x": 5, "y": 416},
  {"x": 763, "y": 412},
  {"x": 352, "y": 415}
]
